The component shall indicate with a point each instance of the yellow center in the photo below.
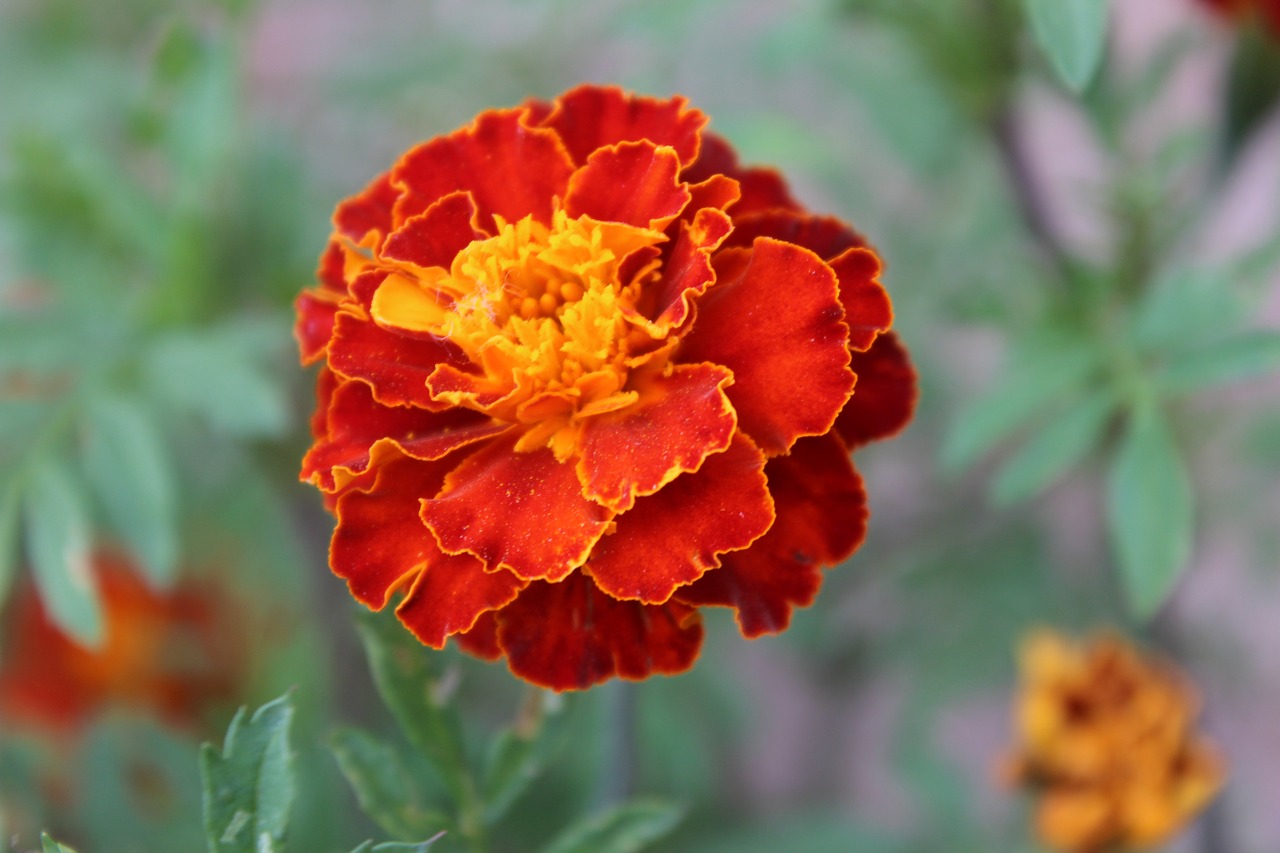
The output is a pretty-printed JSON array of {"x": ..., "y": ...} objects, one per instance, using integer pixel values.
[{"x": 542, "y": 311}]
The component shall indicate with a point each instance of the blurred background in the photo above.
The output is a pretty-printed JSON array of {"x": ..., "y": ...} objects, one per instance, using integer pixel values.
[{"x": 167, "y": 173}]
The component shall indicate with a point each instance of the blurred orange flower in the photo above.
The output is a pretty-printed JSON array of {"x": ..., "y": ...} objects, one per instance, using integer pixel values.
[
  {"x": 1107, "y": 745},
  {"x": 172, "y": 654},
  {"x": 584, "y": 374}
]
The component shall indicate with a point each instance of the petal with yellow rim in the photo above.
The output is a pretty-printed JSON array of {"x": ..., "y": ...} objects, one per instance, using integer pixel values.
[
  {"x": 450, "y": 595},
  {"x": 590, "y": 117},
  {"x": 631, "y": 182}
]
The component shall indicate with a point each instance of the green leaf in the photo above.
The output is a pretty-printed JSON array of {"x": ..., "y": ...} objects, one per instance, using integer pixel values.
[
  {"x": 519, "y": 752},
  {"x": 1054, "y": 450},
  {"x": 397, "y": 846},
  {"x": 1149, "y": 510},
  {"x": 384, "y": 785},
  {"x": 249, "y": 786},
  {"x": 630, "y": 827},
  {"x": 57, "y": 532},
  {"x": 9, "y": 510},
  {"x": 48, "y": 845},
  {"x": 1044, "y": 369},
  {"x": 1186, "y": 306},
  {"x": 417, "y": 690},
  {"x": 214, "y": 376},
  {"x": 1071, "y": 33},
  {"x": 1246, "y": 356},
  {"x": 124, "y": 458}
]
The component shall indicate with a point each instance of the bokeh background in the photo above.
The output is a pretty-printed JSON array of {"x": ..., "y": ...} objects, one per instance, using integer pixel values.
[{"x": 167, "y": 172}]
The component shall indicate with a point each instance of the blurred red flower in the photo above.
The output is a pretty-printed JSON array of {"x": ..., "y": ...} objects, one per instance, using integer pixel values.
[
  {"x": 584, "y": 374},
  {"x": 173, "y": 654},
  {"x": 1268, "y": 11}
]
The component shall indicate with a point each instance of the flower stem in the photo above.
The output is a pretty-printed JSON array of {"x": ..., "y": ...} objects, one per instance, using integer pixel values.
[{"x": 617, "y": 772}]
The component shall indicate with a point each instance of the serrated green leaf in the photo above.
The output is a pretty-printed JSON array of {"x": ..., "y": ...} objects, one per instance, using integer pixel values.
[
  {"x": 249, "y": 785},
  {"x": 212, "y": 375},
  {"x": 384, "y": 785},
  {"x": 48, "y": 845},
  {"x": 1043, "y": 371},
  {"x": 1072, "y": 34},
  {"x": 628, "y": 828},
  {"x": 126, "y": 464},
  {"x": 410, "y": 678},
  {"x": 1246, "y": 356},
  {"x": 1054, "y": 450},
  {"x": 1149, "y": 510},
  {"x": 57, "y": 533}
]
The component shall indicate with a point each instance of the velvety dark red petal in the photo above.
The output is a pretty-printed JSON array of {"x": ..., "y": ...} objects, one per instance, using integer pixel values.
[
  {"x": 482, "y": 639},
  {"x": 825, "y": 236},
  {"x": 451, "y": 593},
  {"x": 380, "y": 543},
  {"x": 434, "y": 237},
  {"x": 672, "y": 537},
  {"x": 687, "y": 272},
  {"x": 761, "y": 189},
  {"x": 518, "y": 511},
  {"x": 821, "y": 518},
  {"x": 774, "y": 318},
  {"x": 357, "y": 423},
  {"x": 592, "y": 117},
  {"x": 368, "y": 212},
  {"x": 884, "y": 397},
  {"x": 395, "y": 366},
  {"x": 678, "y": 421},
  {"x": 867, "y": 310},
  {"x": 570, "y": 635},
  {"x": 511, "y": 169},
  {"x": 314, "y": 324},
  {"x": 631, "y": 182}
]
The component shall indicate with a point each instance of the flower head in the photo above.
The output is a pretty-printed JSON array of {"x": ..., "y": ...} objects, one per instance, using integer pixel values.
[
  {"x": 584, "y": 374},
  {"x": 171, "y": 654},
  {"x": 1108, "y": 745}
]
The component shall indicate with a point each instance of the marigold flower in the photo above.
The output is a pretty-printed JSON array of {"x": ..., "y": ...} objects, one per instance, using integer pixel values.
[
  {"x": 582, "y": 375},
  {"x": 172, "y": 654},
  {"x": 1107, "y": 745}
]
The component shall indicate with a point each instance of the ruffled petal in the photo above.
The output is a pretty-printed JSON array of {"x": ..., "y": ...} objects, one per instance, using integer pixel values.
[
  {"x": 511, "y": 169},
  {"x": 367, "y": 217},
  {"x": 821, "y": 518},
  {"x": 672, "y": 537},
  {"x": 523, "y": 512},
  {"x": 591, "y": 117},
  {"x": 631, "y": 182},
  {"x": 679, "y": 420},
  {"x": 313, "y": 327},
  {"x": 867, "y": 310},
  {"x": 825, "y": 236},
  {"x": 482, "y": 639},
  {"x": 434, "y": 237},
  {"x": 774, "y": 318},
  {"x": 760, "y": 189},
  {"x": 594, "y": 637},
  {"x": 357, "y": 425},
  {"x": 380, "y": 543},
  {"x": 396, "y": 367},
  {"x": 451, "y": 594},
  {"x": 685, "y": 275},
  {"x": 884, "y": 397}
]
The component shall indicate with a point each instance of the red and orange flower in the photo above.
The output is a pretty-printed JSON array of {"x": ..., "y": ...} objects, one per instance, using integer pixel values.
[
  {"x": 584, "y": 374},
  {"x": 172, "y": 654}
]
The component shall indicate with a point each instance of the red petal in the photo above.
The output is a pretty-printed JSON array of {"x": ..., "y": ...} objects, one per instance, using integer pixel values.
[
  {"x": 678, "y": 421},
  {"x": 570, "y": 635},
  {"x": 433, "y": 238},
  {"x": 380, "y": 542},
  {"x": 451, "y": 594},
  {"x": 591, "y": 117},
  {"x": 867, "y": 310},
  {"x": 313, "y": 328},
  {"x": 825, "y": 236},
  {"x": 482, "y": 639},
  {"x": 672, "y": 537},
  {"x": 330, "y": 273},
  {"x": 510, "y": 169},
  {"x": 687, "y": 272},
  {"x": 518, "y": 511},
  {"x": 821, "y": 519},
  {"x": 774, "y": 318},
  {"x": 762, "y": 189},
  {"x": 369, "y": 212},
  {"x": 357, "y": 424},
  {"x": 395, "y": 366},
  {"x": 631, "y": 182},
  {"x": 884, "y": 397}
]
